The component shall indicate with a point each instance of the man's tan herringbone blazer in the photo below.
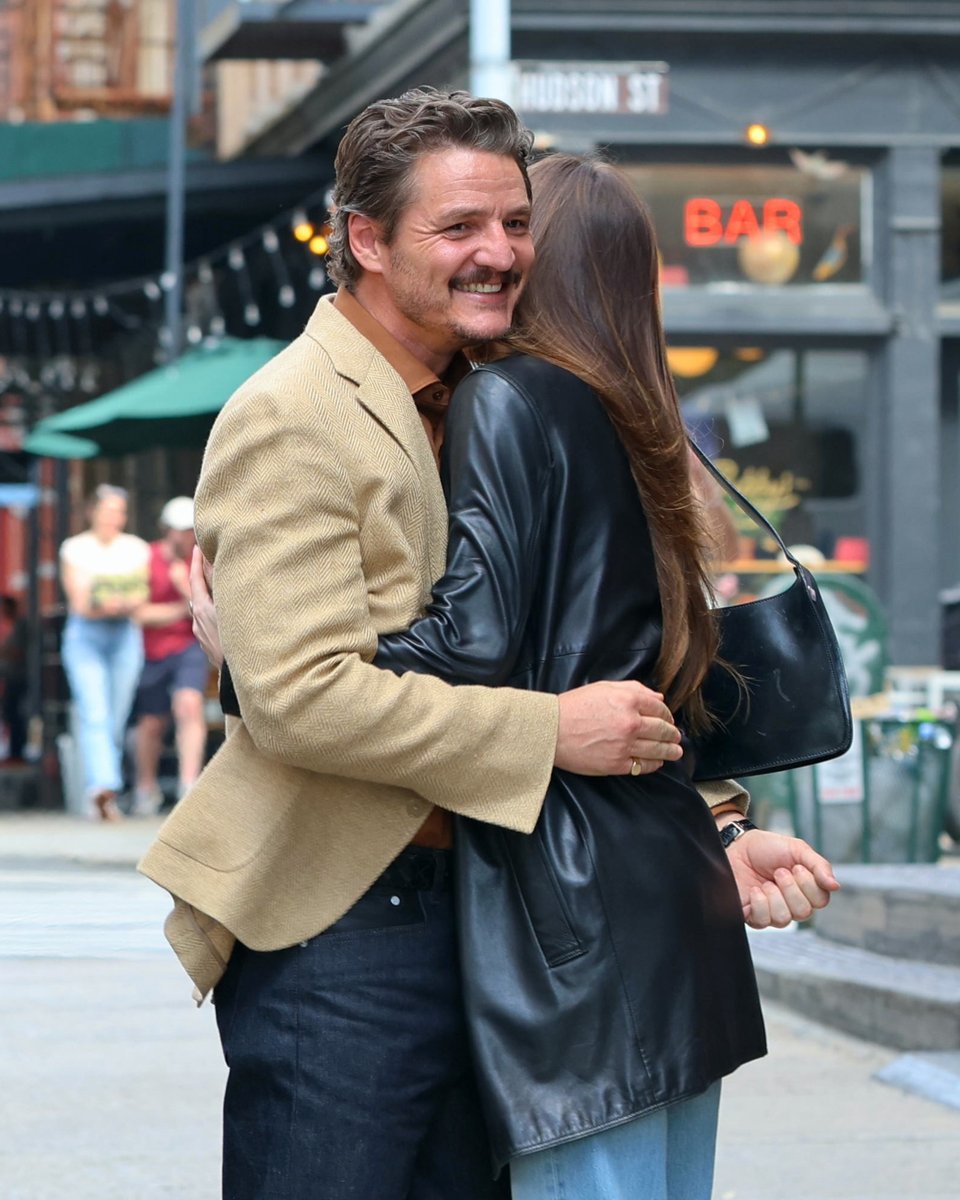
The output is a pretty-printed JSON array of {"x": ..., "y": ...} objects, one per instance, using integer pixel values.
[{"x": 320, "y": 506}]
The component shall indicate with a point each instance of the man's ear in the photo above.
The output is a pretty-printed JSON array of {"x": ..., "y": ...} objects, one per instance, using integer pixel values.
[{"x": 366, "y": 242}]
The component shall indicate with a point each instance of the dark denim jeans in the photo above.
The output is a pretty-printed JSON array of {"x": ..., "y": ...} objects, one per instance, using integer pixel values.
[{"x": 349, "y": 1073}]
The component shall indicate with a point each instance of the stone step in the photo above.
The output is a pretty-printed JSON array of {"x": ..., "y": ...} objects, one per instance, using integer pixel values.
[
  {"x": 906, "y": 911},
  {"x": 934, "y": 1074},
  {"x": 894, "y": 1001}
]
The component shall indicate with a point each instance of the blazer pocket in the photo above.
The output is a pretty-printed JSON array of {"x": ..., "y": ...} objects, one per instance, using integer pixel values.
[
  {"x": 238, "y": 804},
  {"x": 543, "y": 899}
]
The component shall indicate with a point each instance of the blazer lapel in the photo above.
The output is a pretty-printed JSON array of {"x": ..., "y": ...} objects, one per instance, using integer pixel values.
[{"x": 381, "y": 391}]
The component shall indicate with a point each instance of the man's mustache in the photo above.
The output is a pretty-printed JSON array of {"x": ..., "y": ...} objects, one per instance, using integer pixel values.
[{"x": 510, "y": 278}]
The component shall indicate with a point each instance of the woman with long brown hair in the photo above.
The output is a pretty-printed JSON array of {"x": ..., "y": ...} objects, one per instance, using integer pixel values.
[{"x": 607, "y": 977}]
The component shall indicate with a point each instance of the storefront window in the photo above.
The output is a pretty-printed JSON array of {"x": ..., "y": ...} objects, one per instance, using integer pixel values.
[
  {"x": 787, "y": 426},
  {"x": 768, "y": 225}
]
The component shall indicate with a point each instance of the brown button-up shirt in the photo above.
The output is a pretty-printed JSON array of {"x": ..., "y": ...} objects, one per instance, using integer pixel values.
[
  {"x": 430, "y": 394},
  {"x": 432, "y": 398}
]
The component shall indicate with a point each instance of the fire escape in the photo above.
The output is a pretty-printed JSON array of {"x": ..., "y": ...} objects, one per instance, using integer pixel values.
[{"x": 61, "y": 59}]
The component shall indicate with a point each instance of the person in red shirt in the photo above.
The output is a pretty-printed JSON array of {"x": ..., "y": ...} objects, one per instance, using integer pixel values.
[
  {"x": 175, "y": 671},
  {"x": 14, "y": 633}
]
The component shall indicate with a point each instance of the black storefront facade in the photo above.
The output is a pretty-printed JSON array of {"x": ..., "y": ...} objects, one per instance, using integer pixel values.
[{"x": 802, "y": 162}]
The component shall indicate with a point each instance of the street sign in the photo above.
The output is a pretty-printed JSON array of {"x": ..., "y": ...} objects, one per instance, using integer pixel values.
[{"x": 632, "y": 88}]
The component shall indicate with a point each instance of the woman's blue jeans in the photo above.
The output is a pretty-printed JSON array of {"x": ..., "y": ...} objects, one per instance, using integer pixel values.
[
  {"x": 103, "y": 661},
  {"x": 666, "y": 1155}
]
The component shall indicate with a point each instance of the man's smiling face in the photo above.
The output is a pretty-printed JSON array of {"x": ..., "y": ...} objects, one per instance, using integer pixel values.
[{"x": 451, "y": 273}]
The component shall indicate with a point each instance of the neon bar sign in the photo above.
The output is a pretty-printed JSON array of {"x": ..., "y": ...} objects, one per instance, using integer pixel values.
[{"x": 706, "y": 222}]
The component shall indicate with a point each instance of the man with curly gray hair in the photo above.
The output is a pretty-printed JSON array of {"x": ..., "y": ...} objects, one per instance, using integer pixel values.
[
  {"x": 380, "y": 150},
  {"x": 311, "y": 863}
]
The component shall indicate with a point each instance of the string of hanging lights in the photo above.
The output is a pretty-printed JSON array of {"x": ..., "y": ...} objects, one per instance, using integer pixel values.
[{"x": 64, "y": 324}]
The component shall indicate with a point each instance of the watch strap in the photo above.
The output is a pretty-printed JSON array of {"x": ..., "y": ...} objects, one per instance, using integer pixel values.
[{"x": 733, "y": 830}]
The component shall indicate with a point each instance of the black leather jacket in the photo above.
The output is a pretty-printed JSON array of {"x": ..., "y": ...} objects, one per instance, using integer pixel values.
[{"x": 606, "y": 969}]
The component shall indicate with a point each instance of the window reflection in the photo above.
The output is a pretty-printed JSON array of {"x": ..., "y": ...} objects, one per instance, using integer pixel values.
[
  {"x": 758, "y": 225},
  {"x": 787, "y": 426}
]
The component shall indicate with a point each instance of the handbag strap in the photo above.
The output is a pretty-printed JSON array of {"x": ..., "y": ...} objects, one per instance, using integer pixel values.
[{"x": 744, "y": 504}]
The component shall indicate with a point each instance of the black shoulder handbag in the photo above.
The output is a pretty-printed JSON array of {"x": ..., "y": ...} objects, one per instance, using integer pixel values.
[{"x": 790, "y": 707}]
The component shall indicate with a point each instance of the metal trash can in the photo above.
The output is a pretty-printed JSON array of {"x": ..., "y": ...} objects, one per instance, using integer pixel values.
[{"x": 885, "y": 800}]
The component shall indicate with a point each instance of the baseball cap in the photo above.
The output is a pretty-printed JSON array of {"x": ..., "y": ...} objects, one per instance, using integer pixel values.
[{"x": 177, "y": 513}]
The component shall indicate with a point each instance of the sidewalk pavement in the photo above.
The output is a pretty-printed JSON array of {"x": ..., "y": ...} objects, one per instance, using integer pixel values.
[
  {"x": 33, "y": 836},
  {"x": 811, "y": 1119}
]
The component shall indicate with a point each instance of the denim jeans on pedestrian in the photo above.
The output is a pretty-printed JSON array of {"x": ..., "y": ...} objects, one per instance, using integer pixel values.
[
  {"x": 349, "y": 1073},
  {"x": 102, "y": 661},
  {"x": 665, "y": 1155}
]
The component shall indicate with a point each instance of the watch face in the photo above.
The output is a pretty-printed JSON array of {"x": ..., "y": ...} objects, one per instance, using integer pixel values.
[
  {"x": 730, "y": 832},
  {"x": 734, "y": 829}
]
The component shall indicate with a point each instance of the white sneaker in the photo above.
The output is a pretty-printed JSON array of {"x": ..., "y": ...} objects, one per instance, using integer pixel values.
[{"x": 147, "y": 802}]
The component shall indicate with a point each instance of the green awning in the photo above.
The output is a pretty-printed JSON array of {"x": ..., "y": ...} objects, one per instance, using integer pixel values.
[
  {"x": 50, "y": 444},
  {"x": 172, "y": 406}
]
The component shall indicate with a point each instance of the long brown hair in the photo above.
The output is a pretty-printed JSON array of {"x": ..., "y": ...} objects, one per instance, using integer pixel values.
[{"x": 592, "y": 305}]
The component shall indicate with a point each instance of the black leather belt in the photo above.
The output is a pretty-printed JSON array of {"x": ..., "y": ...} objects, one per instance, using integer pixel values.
[{"x": 418, "y": 868}]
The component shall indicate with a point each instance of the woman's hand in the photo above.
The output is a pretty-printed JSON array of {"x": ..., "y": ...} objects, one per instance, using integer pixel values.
[
  {"x": 780, "y": 879},
  {"x": 114, "y": 606},
  {"x": 205, "y": 626}
]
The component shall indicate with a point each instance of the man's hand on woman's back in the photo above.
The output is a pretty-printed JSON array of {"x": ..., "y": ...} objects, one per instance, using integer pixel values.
[{"x": 615, "y": 729}]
